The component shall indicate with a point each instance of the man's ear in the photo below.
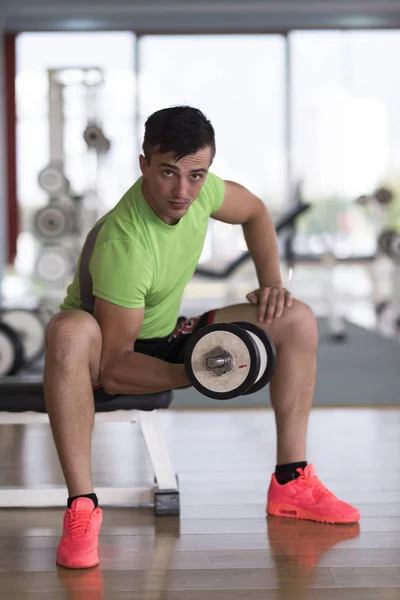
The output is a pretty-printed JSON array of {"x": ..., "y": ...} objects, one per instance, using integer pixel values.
[{"x": 143, "y": 164}]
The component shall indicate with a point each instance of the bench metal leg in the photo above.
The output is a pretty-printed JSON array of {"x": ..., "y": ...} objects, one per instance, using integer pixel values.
[{"x": 166, "y": 497}]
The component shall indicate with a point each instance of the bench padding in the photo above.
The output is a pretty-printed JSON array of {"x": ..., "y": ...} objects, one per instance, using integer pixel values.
[{"x": 19, "y": 394}]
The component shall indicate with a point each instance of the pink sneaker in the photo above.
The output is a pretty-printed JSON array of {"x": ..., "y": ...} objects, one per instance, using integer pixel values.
[
  {"x": 78, "y": 547},
  {"x": 307, "y": 498}
]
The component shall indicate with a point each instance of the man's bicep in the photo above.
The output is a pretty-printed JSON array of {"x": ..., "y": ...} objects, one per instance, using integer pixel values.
[{"x": 120, "y": 327}]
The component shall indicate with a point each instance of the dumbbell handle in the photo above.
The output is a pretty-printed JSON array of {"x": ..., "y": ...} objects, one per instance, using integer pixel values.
[
  {"x": 215, "y": 361},
  {"x": 219, "y": 361}
]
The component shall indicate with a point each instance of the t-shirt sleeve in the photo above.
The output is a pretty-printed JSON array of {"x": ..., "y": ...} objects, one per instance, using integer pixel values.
[
  {"x": 121, "y": 273},
  {"x": 215, "y": 192}
]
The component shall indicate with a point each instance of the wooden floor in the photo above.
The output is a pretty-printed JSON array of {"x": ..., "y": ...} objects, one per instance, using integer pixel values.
[{"x": 222, "y": 547}]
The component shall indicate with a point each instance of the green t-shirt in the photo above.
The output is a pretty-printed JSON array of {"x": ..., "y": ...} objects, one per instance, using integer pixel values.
[{"x": 133, "y": 259}]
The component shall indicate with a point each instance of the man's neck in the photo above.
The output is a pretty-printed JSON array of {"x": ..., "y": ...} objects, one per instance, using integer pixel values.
[{"x": 150, "y": 201}]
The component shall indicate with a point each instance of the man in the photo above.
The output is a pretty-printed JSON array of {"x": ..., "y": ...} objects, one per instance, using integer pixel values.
[{"x": 119, "y": 333}]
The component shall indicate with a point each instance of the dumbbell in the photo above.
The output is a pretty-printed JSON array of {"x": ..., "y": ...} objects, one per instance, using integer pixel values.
[
  {"x": 53, "y": 221},
  {"x": 11, "y": 351},
  {"x": 53, "y": 181},
  {"x": 226, "y": 360}
]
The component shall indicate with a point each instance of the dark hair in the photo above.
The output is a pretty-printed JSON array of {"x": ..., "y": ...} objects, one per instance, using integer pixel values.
[{"x": 182, "y": 130}]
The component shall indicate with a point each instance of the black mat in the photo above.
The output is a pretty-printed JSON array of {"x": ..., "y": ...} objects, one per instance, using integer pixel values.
[{"x": 22, "y": 393}]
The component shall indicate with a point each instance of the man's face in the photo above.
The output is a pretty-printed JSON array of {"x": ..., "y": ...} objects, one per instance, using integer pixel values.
[{"x": 171, "y": 186}]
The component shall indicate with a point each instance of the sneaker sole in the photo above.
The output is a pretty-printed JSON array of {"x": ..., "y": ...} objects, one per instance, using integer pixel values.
[
  {"x": 60, "y": 564},
  {"x": 291, "y": 512}
]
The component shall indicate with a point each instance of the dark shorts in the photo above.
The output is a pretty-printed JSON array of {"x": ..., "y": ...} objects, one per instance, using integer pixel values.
[{"x": 170, "y": 348}]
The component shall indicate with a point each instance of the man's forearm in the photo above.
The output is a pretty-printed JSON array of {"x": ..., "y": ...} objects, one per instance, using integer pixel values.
[
  {"x": 261, "y": 240},
  {"x": 136, "y": 373}
]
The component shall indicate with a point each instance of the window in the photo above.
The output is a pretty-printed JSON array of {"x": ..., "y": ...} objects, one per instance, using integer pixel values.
[
  {"x": 238, "y": 81},
  {"x": 113, "y": 107},
  {"x": 346, "y": 128}
]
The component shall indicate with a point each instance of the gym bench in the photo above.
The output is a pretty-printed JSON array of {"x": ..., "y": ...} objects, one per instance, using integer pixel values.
[{"x": 22, "y": 402}]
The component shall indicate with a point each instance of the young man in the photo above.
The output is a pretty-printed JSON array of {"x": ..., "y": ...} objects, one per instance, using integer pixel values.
[{"x": 118, "y": 331}]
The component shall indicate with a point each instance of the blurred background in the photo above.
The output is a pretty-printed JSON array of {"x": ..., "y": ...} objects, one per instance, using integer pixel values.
[{"x": 304, "y": 101}]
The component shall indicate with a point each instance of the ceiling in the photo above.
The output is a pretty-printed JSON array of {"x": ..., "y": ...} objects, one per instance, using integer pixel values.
[{"x": 196, "y": 16}]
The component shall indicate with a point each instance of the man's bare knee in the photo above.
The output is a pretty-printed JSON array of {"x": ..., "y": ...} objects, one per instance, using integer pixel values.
[
  {"x": 71, "y": 335},
  {"x": 302, "y": 325}
]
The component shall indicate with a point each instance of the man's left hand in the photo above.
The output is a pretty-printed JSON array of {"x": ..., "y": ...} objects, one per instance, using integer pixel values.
[{"x": 271, "y": 302}]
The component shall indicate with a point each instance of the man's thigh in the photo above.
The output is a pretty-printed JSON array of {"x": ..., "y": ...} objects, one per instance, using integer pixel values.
[{"x": 249, "y": 313}]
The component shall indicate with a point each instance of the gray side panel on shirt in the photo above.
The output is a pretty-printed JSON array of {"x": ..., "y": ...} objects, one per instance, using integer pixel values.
[{"x": 85, "y": 279}]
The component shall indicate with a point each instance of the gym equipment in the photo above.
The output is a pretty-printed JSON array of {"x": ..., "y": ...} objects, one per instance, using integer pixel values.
[
  {"x": 222, "y": 361},
  {"x": 54, "y": 264},
  {"x": 381, "y": 195},
  {"x": 336, "y": 324},
  {"x": 225, "y": 360},
  {"x": 389, "y": 244},
  {"x": 11, "y": 351},
  {"x": 387, "y": 310},
  {"x": 53, "y": 181},
  {"x": 30, "y": 329},
  {"x": 53, "y": 221},
  {"x": 287, "y": 222},
  {"x": 394, "y": 248},
  {"x": 48, "y": 308},
  {"x": 95, "y": 138},
  {"x": 384, "y": 240},
  {"x": 71, "y": 211},
  {"x": 22, "y": 401},
  {"x": 384, "y": 195},
  {"x": 267, "y": 352}
]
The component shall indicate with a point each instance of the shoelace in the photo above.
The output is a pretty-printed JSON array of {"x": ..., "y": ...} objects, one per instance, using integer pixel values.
[
  {"x": 319, "y": 490},
  {"x": 80, "y": 523}
]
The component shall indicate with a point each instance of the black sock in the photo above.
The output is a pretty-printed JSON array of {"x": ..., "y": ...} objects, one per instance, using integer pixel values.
[
  {"x": 288, "y": 472},
  {"x": 92, "y": 497}
]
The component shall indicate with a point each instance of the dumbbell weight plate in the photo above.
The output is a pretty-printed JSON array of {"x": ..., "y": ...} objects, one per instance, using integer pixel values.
[
  {"x": 267, "y": 351},
  {"x": 53, "y": 264},
  {"x": 245, "y": 367},
  {"x": 30, "y": 329},
  {"x": 11, "y": 351},
  {"x": 52, "y": 222},
  {"x": 53, "y": 181}
]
